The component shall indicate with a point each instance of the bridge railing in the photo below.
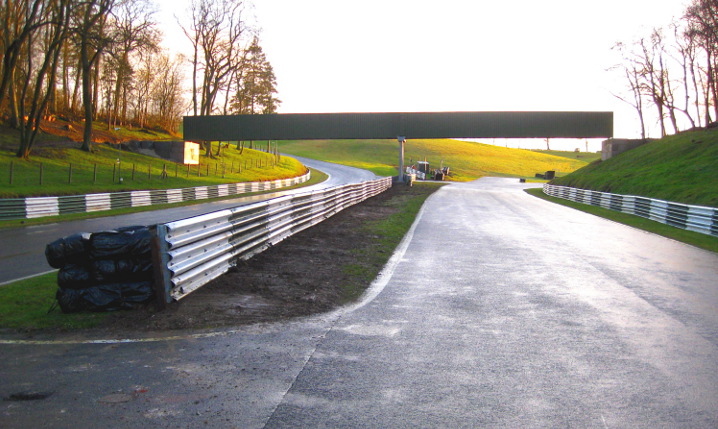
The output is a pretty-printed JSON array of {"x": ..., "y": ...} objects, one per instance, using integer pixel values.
[
  {"x": 693, "y": 218},
  {"x": 189, "y": 253}
]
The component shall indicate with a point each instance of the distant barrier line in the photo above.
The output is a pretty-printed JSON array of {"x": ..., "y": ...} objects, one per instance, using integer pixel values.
[
  {"x": 699, "y": 219},
  {"x": 35, "y": 207}
]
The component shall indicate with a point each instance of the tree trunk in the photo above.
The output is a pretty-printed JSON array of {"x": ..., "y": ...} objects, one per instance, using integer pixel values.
[
  {"x": 96, "y": 84},
  {"x": 708, "y": 91},
  {"x": 86, "y": 96}
]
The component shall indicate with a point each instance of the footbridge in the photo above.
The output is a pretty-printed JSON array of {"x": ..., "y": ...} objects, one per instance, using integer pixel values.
[{"x": 399, "y": 125}]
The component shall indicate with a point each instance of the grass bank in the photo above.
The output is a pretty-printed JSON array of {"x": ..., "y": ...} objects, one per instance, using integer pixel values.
[
  {"x": 63, "y": 170},
  {"x": 681, "y": 168},
  {"x": 467, "y": 160}
]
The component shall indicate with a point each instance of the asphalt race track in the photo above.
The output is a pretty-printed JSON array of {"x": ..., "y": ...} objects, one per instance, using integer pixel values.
[{"x": 498, "y": 310}]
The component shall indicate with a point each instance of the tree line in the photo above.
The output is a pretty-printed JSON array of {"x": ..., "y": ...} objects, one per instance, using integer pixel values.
[
  {"x": 672, "y": 73},
  {"x": 105, "y": 60}
]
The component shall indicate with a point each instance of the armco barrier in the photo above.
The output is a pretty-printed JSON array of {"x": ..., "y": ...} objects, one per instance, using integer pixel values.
[
  {"x": 191, "y": 252},
  {"x": 693, "y": 218},
  {"x": 34, "y": 207}
]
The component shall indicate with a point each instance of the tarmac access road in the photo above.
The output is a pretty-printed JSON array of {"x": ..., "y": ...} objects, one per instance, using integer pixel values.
[
  {"x": 497, "y": 310},
  {"x": 22, "y": 250}
]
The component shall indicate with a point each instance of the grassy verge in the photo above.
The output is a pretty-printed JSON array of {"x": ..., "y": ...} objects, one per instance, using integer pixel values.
[
  {"x": 702, "y": 241},
  {"x": 24, "y": 306}
]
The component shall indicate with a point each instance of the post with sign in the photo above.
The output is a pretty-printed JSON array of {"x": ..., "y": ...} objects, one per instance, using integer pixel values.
[{"x": 191, "y": 153}]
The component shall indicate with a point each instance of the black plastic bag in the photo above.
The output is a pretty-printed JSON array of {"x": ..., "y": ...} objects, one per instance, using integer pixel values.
[
  {"x": 73, "y": 276},
  {"x": 104, "y": 271},
  {"x": 72, "y": 249},
  {"x": 122, "y": 269},
  {"x": 110, "y": 297},
  {"x": 129, "y": 242}
]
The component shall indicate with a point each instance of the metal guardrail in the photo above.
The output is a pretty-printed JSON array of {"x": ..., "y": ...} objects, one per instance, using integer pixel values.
[
  {"x": 693, "y": 218},
  {"x": 34, "y": 207},
  {"x": 189, "y": 253}
]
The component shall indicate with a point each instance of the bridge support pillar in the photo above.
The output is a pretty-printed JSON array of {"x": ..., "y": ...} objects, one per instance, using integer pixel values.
[{"x": 401, "y": 139}]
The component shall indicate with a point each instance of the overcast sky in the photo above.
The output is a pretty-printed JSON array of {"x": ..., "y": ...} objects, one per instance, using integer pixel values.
[{"x": 450, "y": 55}]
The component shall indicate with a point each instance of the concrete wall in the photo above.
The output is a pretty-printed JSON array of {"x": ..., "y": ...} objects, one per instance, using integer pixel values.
[
  {"x": 613, "y": 147},
  {"x": 169, "y": 150}
]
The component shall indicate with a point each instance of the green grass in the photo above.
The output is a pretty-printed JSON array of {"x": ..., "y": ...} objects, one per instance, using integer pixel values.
[
  {"x": 681, "y": 168},
  {"x": 24, "y": 306},
  {"x": 139, "y": 172},
  {"x": 467, "y": 160},
  {"x": 702, "y": 241}
]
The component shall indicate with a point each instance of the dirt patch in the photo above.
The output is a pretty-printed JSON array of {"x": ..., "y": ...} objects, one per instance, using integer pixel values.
[{"x": 311, "y": 272}]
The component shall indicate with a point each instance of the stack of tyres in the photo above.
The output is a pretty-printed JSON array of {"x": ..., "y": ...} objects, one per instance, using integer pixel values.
[{"x": 103, "y": 271}]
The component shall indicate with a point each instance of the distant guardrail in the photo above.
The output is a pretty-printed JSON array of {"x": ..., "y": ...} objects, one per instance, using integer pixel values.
[
  {"x": 693, "y": 218},
  {"x": 189, "y": 253},
  {"x": 35, "y": 207}
]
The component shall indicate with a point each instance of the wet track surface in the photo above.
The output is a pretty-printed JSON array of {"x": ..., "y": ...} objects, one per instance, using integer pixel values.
[{"x": 498, "y": 310}]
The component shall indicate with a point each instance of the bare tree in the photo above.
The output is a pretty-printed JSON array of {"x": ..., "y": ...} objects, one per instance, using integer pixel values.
[
  {"x": 702, "y": 18},
  {"x": 167, "y": 92},
  {"x": 632, "y": 71},
  {"x": 133, "y": 30},
  {"x": 20, "y": 20},
  {"x": 38, "y": 84},
  {"x": 686, "y": 59},
  {"x": 93, "y": 40},
  {"x": 143, "y": 90},
  {"x": 652, "y": 75},
  {"x": 216, "y": 33}
]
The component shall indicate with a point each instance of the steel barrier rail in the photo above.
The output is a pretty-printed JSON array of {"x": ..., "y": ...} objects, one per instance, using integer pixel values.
[
  {"x": 34, "y": 207},
  {"x": 189, "y": 253},
  {"x": 693, "y": 218}
]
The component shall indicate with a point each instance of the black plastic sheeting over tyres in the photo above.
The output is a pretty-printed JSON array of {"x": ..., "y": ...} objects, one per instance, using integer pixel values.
[
  {"x": 109, "y": 297},
  {"x": 129, "y": 242},
  {"x": 67, "y": 250},
  {"x": 103, "y": 271}
]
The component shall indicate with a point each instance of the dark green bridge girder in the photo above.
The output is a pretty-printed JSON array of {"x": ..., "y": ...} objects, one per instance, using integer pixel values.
[{"x": 417, "y": 125}]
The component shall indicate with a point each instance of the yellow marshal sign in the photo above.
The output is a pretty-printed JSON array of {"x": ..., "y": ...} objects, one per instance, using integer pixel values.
[{"x": 191, "y": 153}]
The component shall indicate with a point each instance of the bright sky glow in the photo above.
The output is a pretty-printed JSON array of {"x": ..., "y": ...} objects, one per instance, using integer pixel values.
[{"x": 449, "y": 55}]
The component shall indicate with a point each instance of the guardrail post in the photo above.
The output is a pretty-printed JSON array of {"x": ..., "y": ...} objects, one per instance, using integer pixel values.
[{"x": 160, "y": 258}]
